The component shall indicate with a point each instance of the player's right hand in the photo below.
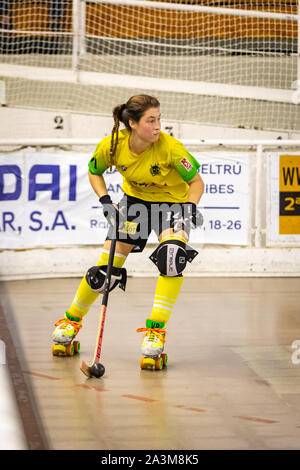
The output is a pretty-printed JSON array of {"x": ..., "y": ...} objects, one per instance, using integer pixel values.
[{"x": 112, "y": 212}]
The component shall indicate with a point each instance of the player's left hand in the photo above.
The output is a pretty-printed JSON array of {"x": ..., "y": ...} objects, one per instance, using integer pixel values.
[
  {"x": 191, "y": 218},
  {"x": 191, "y": 214}
]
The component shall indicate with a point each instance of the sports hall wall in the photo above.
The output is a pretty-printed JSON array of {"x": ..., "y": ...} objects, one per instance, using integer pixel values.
[{"x": 34, "y": 16}]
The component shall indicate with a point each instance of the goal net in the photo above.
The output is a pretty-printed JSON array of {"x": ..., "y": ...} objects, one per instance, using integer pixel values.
[{"x": 215, "y": 62}]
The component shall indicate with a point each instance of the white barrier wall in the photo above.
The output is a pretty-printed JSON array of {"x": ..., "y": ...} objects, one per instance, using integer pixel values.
[
  {"x": 22, "y": 123},
  {"x": 11, "y": 428}
]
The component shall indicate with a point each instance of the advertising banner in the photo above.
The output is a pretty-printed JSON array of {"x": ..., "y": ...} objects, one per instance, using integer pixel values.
[
  {"x": 225, "y": 203},
  {"x": 284, "y": 213},
  {"x": 46, "y": 200}
]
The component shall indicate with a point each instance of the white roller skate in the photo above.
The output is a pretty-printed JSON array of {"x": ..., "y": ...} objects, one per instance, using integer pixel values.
[
  {"x": 63, "y": 336},
  {"x": 153, "y": 345}
]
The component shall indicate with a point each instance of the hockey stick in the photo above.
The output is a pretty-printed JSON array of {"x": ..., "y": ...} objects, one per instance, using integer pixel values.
[{"x": 97, "y": 369}]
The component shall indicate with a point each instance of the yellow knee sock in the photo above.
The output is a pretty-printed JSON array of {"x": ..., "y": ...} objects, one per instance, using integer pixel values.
[
  {"x": 85, "y": 296},
  {"x": 166, "y": 293}
]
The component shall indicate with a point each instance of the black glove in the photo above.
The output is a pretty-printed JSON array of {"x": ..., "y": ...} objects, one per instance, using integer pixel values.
[
  {"x": 190, "y": 218},
  {"x": 112, "y": 212},
  {"x": 192, "y": 215}
]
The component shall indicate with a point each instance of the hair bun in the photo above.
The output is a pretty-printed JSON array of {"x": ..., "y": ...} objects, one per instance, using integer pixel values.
[
  {"x": 118, "y": 111},
  {"x": 121, "y": 109}
]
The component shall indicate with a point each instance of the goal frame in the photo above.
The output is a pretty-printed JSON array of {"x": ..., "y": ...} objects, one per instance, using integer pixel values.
[{"x": 77, "y": 76}]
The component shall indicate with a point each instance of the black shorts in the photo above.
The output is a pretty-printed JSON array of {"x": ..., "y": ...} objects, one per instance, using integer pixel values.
[{"x": 142, "y": 218}]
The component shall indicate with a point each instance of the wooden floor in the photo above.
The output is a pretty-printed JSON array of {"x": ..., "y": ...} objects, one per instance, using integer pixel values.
[{"x": 230, "y": 383}]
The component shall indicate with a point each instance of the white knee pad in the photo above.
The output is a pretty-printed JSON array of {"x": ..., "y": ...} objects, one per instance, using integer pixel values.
[
  {"x": 171, "y": 257},
  {"x": 95, "y": 277}
]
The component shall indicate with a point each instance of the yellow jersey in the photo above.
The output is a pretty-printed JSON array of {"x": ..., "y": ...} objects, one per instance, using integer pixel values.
[{"x": 159, "y": 174}]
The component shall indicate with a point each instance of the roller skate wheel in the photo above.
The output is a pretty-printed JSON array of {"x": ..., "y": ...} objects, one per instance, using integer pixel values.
[
  {"x": 76, "y": 345},
  {"x": 59, "y": 350},
  {"x": 70, "y": 350},
  {"x": 147, "y": 363},
  {"x": 165, "y": 359},
  {"x": 159, "y": 363}
]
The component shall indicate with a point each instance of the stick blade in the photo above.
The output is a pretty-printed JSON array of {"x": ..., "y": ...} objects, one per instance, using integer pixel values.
[{"x": 86, "y": 369}]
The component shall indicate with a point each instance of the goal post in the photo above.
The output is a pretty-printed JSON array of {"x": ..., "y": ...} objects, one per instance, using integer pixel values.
[{"x": 234, "y": 65}]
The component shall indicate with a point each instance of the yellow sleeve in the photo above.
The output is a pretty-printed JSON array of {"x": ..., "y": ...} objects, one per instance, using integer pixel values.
[{"x": 100, "y": 161}]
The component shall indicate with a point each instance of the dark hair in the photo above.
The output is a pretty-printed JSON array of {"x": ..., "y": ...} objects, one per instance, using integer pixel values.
[{"x": 133, "y": 110}]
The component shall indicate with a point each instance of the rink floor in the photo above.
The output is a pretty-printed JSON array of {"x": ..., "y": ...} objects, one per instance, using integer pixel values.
[{"x": 231, "y": 381}]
